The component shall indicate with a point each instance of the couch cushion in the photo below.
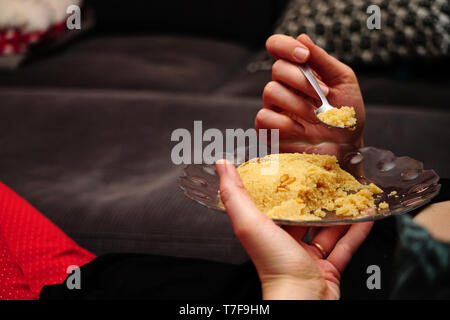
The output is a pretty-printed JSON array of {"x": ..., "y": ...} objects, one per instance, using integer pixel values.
[
  {"x": 378, "y": 88},
  {"x": 418, "y": 132},
  {"x": 97, "y": 163},
  {"x": 192, "y": 64},
  {"x": 249, "y": 21},
  {"x": 133, "y": 62}
]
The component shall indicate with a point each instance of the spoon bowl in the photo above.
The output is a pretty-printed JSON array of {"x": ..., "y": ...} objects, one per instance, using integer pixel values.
[{"x": 326, "y": 106}]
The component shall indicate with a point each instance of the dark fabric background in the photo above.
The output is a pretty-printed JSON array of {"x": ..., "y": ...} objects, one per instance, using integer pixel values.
[
  {"x": 249, "y": 21},
  {"x": 85, "y": 130},
  {"x": 125, "y": 276}
]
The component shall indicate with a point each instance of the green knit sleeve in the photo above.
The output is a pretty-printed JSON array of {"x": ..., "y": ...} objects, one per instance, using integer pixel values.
[{"x": 422, "y": 264}]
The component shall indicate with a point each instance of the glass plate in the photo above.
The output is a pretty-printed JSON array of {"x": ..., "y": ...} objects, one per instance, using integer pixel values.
[{"x": 415, "y": 186}]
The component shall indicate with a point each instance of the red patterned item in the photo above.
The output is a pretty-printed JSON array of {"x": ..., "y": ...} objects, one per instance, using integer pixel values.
[
  {"x": 33, "y": 251},
  {"x": 15, "y": 41}
]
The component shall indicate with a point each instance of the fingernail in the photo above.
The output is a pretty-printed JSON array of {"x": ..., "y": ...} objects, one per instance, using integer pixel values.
[
  {"x": 325, "y": 89},
  {"x": 300, "y": 54},
  {"x": 221, "y": 166}
]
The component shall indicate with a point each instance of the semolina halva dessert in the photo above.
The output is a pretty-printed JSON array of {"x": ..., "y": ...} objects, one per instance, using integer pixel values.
[
  {"x": 383, "y": 205},
  {"x": 343, "y": 117},
  {"x": 304, "y": 186}
]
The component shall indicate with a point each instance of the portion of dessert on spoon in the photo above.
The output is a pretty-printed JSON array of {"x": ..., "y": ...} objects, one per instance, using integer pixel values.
[{"x": 343, "y": 118}]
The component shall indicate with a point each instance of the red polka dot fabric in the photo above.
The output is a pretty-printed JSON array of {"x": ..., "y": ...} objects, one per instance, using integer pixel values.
[
  {"x": 15, "y": 41},
  {"x": 33, "y": 251}
]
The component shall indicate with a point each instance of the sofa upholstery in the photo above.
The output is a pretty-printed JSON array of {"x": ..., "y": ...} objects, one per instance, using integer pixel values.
[{"x": 85, "y": 134}]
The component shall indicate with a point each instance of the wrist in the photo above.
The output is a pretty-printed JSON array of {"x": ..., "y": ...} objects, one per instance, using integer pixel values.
[{"x": 292, "y": 289}]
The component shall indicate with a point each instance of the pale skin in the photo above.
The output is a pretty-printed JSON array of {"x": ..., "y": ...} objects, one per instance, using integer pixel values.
[
  {"x": 435, "y": 218},
  {"x": 288, "y": 267},
  {"x": 289, "y": 100}
]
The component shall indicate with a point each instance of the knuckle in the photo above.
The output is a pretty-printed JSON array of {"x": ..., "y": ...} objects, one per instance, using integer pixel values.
[
  {"x": 269, "y": 90},
  {"x": 243, "y": 231},
  {"x": 272, "y": 41},
  {"x": 240, "y": 186},
  {"x": 248, "y": 227},
  {"x": 229, "y": 188},
  {"x": 225, "y": 194},
  {"x": 277, "y": 69},
  {"x": 349, "y": 74},
  {"x": 260, "y": 116}
]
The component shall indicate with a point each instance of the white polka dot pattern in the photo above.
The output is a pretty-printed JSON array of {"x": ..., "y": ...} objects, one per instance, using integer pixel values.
[{"x": 33, "y": 251}]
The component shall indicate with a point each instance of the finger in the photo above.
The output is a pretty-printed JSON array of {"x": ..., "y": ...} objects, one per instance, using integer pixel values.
[
  {"x": 289, "y": 74},
  {"x": 325, "y": 148},
  {"x": 240, "y": 208},
  {"x": 313, "y": 231},
  {"x": 277, "y": 94},
  {"x": 281, "y": 46},
  {"x": 287, "y": 146},
  {"x": 328, "y": 237},
  {"x": 259, "y": 235},
  {"x": 348, "y": 244},
  {"x": 269, "y": 119},
  {"x": 298, "y": 233},
  {"x": 329, "y": 68}
]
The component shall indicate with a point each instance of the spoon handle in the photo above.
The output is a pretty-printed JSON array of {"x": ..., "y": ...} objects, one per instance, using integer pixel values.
[{"x": 313, "y": 81}]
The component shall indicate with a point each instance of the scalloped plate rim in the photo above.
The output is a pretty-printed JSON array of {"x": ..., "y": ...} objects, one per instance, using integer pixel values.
[{"x": 343, "y": 221}]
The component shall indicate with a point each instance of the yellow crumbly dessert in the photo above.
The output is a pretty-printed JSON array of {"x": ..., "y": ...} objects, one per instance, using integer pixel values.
[
  {"x": 304, "y": 187},
  {"x": 343, "y": 117},
  {"x": 383, "y": 205},
  {"x": 392, "y": 194}
]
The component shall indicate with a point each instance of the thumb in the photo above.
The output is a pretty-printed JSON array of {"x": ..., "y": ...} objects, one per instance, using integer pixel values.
[
  {"x": 327, "y": 67},
  {"x": 271, "y": 249},
  {"x": 240, "y": 208}
]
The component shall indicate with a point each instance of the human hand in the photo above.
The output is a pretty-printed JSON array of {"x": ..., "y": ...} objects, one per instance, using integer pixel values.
[
  {"x": 288, "y": 267},
  {"x": 290, "y": 101}
]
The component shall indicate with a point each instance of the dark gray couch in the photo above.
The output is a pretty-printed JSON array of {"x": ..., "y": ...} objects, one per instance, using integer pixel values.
[{"x": 85, "y": 132}]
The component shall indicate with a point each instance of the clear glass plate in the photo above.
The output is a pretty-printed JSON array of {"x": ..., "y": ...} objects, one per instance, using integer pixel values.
[{"x": 415, "y": 186}]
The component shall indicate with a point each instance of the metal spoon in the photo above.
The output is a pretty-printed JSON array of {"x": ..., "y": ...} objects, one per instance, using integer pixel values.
[{"x": 326, "y": 106}]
